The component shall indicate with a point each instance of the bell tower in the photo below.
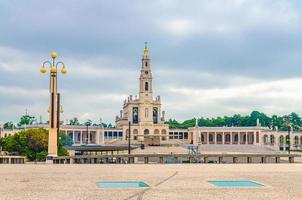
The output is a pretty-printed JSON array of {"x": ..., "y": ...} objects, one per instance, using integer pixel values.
[{"x": 145, "y": 91}]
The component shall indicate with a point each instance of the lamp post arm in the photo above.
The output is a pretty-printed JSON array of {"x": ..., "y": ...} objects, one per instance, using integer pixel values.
[
  {"x": 60, "y": 63},
  {"x": 48, "y": 62}
]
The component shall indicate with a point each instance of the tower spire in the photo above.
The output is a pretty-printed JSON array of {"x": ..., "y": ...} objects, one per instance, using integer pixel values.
[
  {"x": 146, "y": 49},
  {"x": 146, "y": 76}
]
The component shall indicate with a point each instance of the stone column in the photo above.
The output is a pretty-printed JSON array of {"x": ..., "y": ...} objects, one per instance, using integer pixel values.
[
  {"x": 254, "y": 137},
  {"x": 101, "y": 137},
  {"x": 215, "y": 142},
  {"x": 208, "y": 140},
  {"x": 239, "y": 138},
  {"x": 223, "y": 141},
  {"x": 246, "y": 139},
  {"x": 197, "y": 134},
  {"x": 231, "y": 138},
  {"x": 88, "y": 136},
  {"x": 73, "y": 137}
]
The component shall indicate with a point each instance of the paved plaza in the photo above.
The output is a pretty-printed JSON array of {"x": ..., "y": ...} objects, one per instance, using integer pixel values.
[{"x": 186, "y": 181}]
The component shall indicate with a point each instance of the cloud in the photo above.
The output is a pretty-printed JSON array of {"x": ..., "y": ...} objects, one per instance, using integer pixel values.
[
  {"x": 272, "y": 97},
  {"x": 208, "y": 58},
  {"x": 231, "y": 18},
  {"x": 179, "y": 27}
]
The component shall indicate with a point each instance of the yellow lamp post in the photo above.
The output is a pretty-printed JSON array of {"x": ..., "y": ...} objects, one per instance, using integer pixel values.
[{"x": 55, "y": 107}]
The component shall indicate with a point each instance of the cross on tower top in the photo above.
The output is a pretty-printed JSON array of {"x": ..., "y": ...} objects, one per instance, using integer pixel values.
[{"x": 146, "y": 49}]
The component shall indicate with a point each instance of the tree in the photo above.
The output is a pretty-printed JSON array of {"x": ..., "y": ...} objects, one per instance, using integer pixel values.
[
  {"x": 88, "y": 122},
  {"x": 26, "y": 120},
  {"x": 74, "y": 121},
  {"x": 274, "y": 122},
  {"x": 8, "y": 125},
  {"x": 65, "y": 140},
  {"x": 32, "y": 143}
]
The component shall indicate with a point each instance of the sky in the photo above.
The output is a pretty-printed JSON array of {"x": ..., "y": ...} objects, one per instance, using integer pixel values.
[{"x": 209, "y": 58}]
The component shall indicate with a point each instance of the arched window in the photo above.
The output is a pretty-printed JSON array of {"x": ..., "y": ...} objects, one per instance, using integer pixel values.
[
  {"x": 146, "y": 132},
  {"x": 202, "y": 138},
  {"x": 236, "y": 138},
  {"x": 227, "y": 138},
  {"x": 265, "y": 138},
  {"x": 296, "y": 140},
  {"x": 146, "y": 64},
  {"x": 211, "y": 138},
  {"x": 146, "y": 112},
  {"x": 219, "y": 138},
  {"x": 163, "y": 132},
  {"x": 146, "y": 86}
]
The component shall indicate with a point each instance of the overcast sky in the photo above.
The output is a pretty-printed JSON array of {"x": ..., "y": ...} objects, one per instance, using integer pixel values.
[{"x": 209, "y": 57}]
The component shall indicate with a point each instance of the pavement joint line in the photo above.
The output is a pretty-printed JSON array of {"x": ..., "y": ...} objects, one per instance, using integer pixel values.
[{"x": 140, "y": 194}]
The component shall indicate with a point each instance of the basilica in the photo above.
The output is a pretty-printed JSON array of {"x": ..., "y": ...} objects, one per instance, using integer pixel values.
[{"x": 143, "y": 112}]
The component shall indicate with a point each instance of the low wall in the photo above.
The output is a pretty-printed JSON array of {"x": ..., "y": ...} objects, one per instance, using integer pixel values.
[
  {"x": 177, "y": 158},
  {"x": 12, "y": 159}
]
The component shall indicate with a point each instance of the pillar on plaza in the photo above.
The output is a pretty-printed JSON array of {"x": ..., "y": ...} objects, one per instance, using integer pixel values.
[
  {"x": 55, "y": 107},
  {"x": 53, "y": 116}
]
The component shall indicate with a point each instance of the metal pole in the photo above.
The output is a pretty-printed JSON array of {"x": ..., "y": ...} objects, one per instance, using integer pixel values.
[
  {"x": 289, "y": 139},
  {"x": 87, "y": 133},
  {"x": 129, "y": 136},
  {"x": 58, "y": 119}
]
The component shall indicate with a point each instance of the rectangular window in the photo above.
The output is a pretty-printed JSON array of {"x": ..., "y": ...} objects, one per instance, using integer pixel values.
[
  {"x": 155, "y": 115},
  {"x": 185, "y": 135},
  {"x": 135, "y": 115},
  {"x": 120, "y": 134}
]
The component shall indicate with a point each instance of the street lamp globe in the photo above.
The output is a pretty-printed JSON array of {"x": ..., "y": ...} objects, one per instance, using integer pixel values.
[
  {"x": 43, "y": 70},
  {"x": 53, "y": 54},
  {"x": 64, "y": 70},
  {"x": 53, "y": 69}
]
